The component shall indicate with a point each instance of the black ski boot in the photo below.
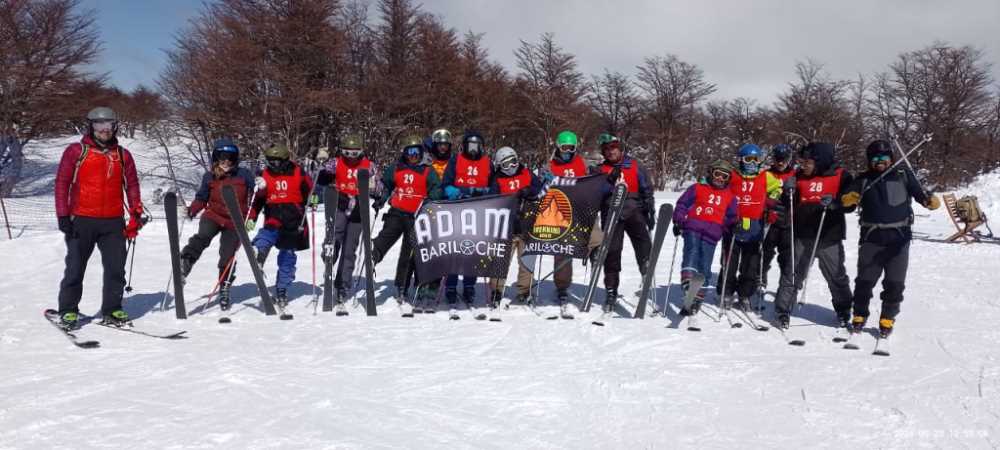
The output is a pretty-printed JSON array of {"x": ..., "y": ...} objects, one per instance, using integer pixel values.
[
  {"x": 224, "y": 300},
  {"x": 783, "y": 321},
  {"x": 610, "y": 299},
  {"x": 742, "y": 304},
  {"x": 562, "y": 297},
  {"x": 187, "y": 263},
  {"x": 281, "y": 297},
  {"x": 117, "y": 318}
]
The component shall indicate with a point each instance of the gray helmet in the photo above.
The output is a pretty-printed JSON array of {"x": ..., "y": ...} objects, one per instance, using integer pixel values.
[{"x": 102, "y": 113}]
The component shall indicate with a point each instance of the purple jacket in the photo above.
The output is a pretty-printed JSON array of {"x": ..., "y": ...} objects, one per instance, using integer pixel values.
[{"x": 708, "y": 231}]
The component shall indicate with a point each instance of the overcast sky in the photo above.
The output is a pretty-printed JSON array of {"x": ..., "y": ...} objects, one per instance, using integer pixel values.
[{"x": 747, "y": 48}]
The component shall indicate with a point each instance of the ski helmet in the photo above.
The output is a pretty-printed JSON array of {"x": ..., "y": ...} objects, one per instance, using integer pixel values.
[
  {"x": 102, "y": 118},
  {"x": 277, "y": 157},
  {"x": 750, "y": 156},
  {"x": 225, "y": 149},
  {"x": 566, "y": 143},
  {"x": 352, "y": 146},
  {"x": 781, "y": 152},
  {"x": 878, "y": 149},
  {"x": 608, "y": 139},
  {"x": 720, "y": 169},
  {"x": 473, "y": 144},
  {"x": 506, "y": 161},
  {"x": 441, "y": 143},
  {"x": 412, "y": 146}
]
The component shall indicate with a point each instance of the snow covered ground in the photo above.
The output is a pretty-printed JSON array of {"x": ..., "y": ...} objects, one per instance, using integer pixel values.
[{"x": 321, "y": 381}]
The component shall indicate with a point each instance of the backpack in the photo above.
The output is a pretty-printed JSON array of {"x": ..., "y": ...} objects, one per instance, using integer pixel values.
[{"x": 968, "y": 209}]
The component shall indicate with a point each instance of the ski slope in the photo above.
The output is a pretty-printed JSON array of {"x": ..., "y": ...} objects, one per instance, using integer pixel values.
[{"x": 321, "y": 381}]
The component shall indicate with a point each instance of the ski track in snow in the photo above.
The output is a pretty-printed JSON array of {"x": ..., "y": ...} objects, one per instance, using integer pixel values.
[{"x": 321, "y": 381}]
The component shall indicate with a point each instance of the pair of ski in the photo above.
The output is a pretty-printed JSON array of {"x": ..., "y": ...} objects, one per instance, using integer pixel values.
[
  {"x": 53, "y": 318},
  {"x": 851, "y": 343},
  {"x": 331, "y": 198}
]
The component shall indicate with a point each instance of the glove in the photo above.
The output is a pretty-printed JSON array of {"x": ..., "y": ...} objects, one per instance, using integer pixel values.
[
  {"x": 678, "y": 229},
  {"x": 933, "y": 202},
  {"x": 650, "y": 219},
  {"x": 251, "y": 225},
  {"x": 66, "y": 225},
  {"x": 615, "y": 174},
  {"x": 259, "y": 183},
  {"x": 135, "y": 222},
  {"x": 314, "y": 201},
  {"x": 826, "y": 200},
  {"x": 547, "y": 176},
  {"x": 452, "y": 192},
  {"x": 850, "y": 199},
  {"x": 773, "y": 217},
  {"x": 191, "y": 213},
  {"x": 476, "y": 192}
]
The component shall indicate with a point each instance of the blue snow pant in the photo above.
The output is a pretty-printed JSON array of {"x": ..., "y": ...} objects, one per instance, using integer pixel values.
[
  {"x": 697, "y": 258},
  {"x": 265, "y": 239}
]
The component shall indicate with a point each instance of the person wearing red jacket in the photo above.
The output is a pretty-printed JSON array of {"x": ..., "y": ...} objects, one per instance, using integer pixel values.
[
  {"x": 215, "y": 220},
  {"x": 95, "y": 178}
]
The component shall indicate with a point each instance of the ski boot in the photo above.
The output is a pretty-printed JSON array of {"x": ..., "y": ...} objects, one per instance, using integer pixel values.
[
  {"x": 857, "y": 324},
  {"x": 281, "y": 297},
  {"x": 262, "y": 256},
  {"x": 783, "y": 321},
  {"x": 495, "y": 299},
  {"x": 742, "y": 304},
  {"x": 566, "y": 309},
  {"x": 117, "y": 318},
  {"x": 187, "y": 263},
  {"x": 885, "y": 327},
  {"x": 611, "y": 297},
  {"x": 522, "y": 298},
  {"x": 70, "y": 320}
]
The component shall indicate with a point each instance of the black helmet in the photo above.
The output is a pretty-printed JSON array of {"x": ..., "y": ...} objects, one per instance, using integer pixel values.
[
  {"x": 225, "y": 149},
  {"x": 879, "y": 147},
  {"x": 473, "y": 144}
]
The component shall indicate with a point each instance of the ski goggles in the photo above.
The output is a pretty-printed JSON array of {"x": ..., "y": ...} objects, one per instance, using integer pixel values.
[
  {"x": 104, "y": 125},
  {"x": 351, "y": 152},
  {"x": 473, "y": 148},
  {"x": 750, "y": 159},
  {"x": 508, "y": 165},
  {"x": 881, "y": 158},
  {"x": 567, "y": 149},
  {"x": 227, "y": 149},
  {"x": 412, "y": 151},
  {"x": 720, "y": 174}
]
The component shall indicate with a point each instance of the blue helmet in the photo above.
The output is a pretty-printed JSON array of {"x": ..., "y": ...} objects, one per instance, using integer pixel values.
[
  {"x": 750, "y": 156},
  {"x": 781, "y": 152},
  {"x": 225, "y": 148}
]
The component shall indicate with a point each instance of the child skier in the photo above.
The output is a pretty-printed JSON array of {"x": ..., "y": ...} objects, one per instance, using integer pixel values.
[
  {"x": 754, "y": 193},
  {"x": 886, "y": 217},
  {"x": 778, "y": 239},
  {"x": 702, "y": 215},
  {"x": 282, "y": 197},
  {"x": 215, "y": 220}
]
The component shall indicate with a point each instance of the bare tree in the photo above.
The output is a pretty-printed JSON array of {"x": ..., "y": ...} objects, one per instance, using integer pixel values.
[{"x": 613, "y": 97}]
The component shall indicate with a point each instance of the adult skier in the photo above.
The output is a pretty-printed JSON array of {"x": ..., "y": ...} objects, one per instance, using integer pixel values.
[
  {"x": 778, "y": 240},
  {"x": 510, "y": 177},
  {"x": 884, "y": 245},
  {"x": 282, "y": 196},
  {"x": 467, "y": 176},
  {"x": 341, "y": 172},
  {"x": 703, "y": 214},
  {"x": 407, "y": 183},
  {"x": 566, "y": 163},
  {"x": 95, "y": 178},
  {"x": 815, "y": 193},
  {"x": 755, "y": 192},
  {"x": 638, "y": 214},
  {"x": 215, "y": 219}
]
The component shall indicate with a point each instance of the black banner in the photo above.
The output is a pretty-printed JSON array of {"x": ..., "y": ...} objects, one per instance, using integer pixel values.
[
  {"x": 466, "y": 237},
  {"x": 561, "y": 222}
]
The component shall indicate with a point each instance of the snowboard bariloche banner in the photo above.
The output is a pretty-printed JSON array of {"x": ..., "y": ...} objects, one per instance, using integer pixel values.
[
  {"x": 561, "y": 222},
  {"x": 467, "y": 237}
]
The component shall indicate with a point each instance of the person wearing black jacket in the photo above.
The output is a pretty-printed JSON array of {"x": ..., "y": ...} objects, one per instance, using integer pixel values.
[
  {"x": 884, "y": 244},
  {"x": 817, "y": 187}
]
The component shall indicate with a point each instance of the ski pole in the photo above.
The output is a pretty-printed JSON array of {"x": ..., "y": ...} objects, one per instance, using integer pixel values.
[
  {"x": 907, "y": 161},
  {"x": 725, "y": 277},
  {"x": 926, "y": 139},
  {"x": 312, "y": 235},
  {"x": 670, "y": 276},
  {"x": 312, "y": 190},
  {"x": 760, "y": 270},
  {"x": 805, "y": 278},
  {"x": 130, "y": 247}
]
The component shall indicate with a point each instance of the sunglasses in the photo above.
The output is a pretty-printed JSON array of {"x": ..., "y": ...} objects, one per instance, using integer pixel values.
[
  {"x": 881, "y": 158},
  {"x": 720, "y": 174}
]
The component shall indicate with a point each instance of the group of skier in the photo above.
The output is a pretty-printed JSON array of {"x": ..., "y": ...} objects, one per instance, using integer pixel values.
[{"x": 793, "y": 209}]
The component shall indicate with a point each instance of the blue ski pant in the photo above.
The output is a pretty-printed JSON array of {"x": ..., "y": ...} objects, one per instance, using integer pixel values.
[{"x": 265, "y": 239}]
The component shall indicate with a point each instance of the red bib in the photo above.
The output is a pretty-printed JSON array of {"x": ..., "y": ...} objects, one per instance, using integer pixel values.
[
  {"x": 573, "y": 169},
  {"x": 411, "y": 189},
  {"x": 751, "y": 193},
  {"x": 510, "y": 185},
  {"x": 347, "y": 176},
  {"x": 631, "y": 174},
  {"x": 284, "y": 188},
  {"x": 811, "y": 190},
  {"x": 710, "y": 204},
  {"x": 473, "y": 174}
]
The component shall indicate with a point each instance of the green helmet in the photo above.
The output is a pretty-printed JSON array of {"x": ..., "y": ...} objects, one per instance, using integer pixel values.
[
  {"x": 411, "y": 140},
  {"x": 352, "y": 141},
  {"x": 277, "y": 151},
  {"x": 566, "y": 138},
  {"x": 720, "y": 164},
  {"x": 607, "y": 138}
]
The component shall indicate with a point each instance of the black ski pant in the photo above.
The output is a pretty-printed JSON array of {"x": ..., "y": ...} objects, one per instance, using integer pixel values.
[
  {"x": 874, "y": 259},
  {"x": 743, "y": 275},
  {"x": 397, "y": 224},
  {"x": 108, "y": 235},
  {"x": 632, "y": 222},
  {"x": 229, "y": 242},
  {"x": 778, "y": 241},
  {"x": 830, "y": 257},
  {"x": 343, "y": 244}
]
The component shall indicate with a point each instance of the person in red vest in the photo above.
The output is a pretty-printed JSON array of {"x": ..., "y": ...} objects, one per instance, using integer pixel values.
[
  {"x": 510, "y": 177},
  {"x": 638, "y": 214},
  {"x": 467, "y": 176},
  {"x": 703, "y": 214},
  {"x": 408, "y": 182},
  {"x": 817, "y": 187},
  {"x": 778, "y": 239},
  {"x": 566, "y": 163},
  {"x": 282, "y": 196},
  {"x": 96, "y": 177},
  {"x": 225, "y": 171},
  {"x": 755, "y": 194},
  {"x": 342, "y": 173}
]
